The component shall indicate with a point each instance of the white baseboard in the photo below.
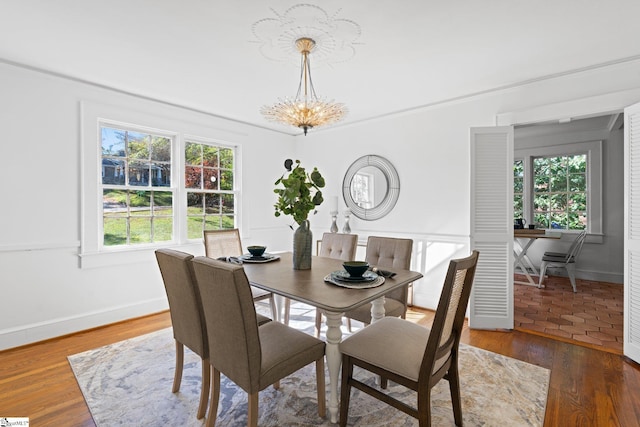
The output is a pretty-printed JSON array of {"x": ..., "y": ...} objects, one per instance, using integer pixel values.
[
  {"x": 597, "y": 276},
  {"x": 35, "y": 332}
]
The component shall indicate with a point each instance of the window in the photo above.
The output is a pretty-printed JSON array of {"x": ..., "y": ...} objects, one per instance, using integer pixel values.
[
  {"x": 142, "y": 186},
  {"x": 137, "y": 205},
  {"x": 560, "y": 192},
  {"x": 209, "y": 182},
  {"x": 559, "y": 187}
]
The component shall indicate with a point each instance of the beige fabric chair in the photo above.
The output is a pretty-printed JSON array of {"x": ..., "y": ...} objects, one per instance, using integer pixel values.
[
  {"x": 249, "y": 356},
  {"x": 386, "y": 253},
  {"x": 187, "y": 319},
  {"x": 337, "y": 246},
  {"x": 226, "y": 243},
  {"x": 564, "y": 260},
  {"x": 412, "y": 355}
]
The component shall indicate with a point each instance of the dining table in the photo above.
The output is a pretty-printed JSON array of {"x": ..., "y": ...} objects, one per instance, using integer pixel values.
[
  {"x": 309, "y": 286},
  {"x": 521, "y": 260}
]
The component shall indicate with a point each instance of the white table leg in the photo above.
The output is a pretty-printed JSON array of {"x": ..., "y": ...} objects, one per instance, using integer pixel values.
[
  {"x": 334, "y": 359},
  {"x": 279, "y": 301},
  {"x": 377, "y": 309}
]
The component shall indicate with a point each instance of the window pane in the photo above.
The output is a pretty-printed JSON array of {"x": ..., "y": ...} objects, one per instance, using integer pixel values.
[
  {"x": 213, "y": 222},
  {"x": 210, "y": 156},
  {"x": 113, "y": 171},
  {"x": 228, "y": 205},
  {"x": 558, "y": 220},
  {"x": 193, "y": 154},
  {"x": 194, "y": 227},
  {"x": 161, "y": 174},
  {"x": 193, "y": 177},
  {"x": 162, "y": 229},
  {"x": 115, "y": 231},
  {"x": 140, "y": 229},
  {"x": 558, "y": 182},
  {"x": 558, "y": 202},
  {"x": 163, "y": 203},
  {"x": 541, "y": 202},
  {"x": 212, "y": 204},
  {"x": 228, "y": 222},
  {"x": 140, "y": 203},
  {"x": 577, "y": 182},
  {"x": 211, "y": 178},
  {"x": 113, "y": 142},
  {"x": 542, "y": 220},
  {"x": 226, "y": 158},
  {"x": 114, "y": 202},
  {"x": 161, "y": 149},
  {"x": 195, "y": 204},
  {"x": 138, "y": 173},
  {"x": 226, "y": 180},
  {"x": 517, "y": 206}
]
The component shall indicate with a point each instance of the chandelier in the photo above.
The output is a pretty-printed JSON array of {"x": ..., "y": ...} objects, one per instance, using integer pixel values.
[{"x": 306, "y": 110}]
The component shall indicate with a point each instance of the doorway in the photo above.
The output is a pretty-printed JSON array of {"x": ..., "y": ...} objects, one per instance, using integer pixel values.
[{"x": 556, "y": 311}]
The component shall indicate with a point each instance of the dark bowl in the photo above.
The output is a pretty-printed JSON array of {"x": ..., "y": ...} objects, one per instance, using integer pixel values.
[
  {"x": 256, "y": 250},
  {"x": 355, "y": 268}
]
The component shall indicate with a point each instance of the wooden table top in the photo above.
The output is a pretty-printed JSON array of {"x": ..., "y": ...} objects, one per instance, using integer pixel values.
[{"x": 308, "y": 286}]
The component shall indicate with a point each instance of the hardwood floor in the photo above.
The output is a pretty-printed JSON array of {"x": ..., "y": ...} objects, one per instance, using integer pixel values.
[{"x": 587, "y": 388}]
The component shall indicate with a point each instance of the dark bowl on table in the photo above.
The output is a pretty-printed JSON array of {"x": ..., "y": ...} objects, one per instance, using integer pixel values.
[
  {"x": 355, "y": 268},
  {"x": 256, "y": 250}
]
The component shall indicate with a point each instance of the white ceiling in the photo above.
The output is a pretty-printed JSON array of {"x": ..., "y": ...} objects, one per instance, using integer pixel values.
[{"x": 202, "y": 54}]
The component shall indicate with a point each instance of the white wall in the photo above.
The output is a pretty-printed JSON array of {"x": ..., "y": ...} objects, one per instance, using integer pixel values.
[
  {"x": 45, "y": 293},
  {"x": 430, "y": 149}
]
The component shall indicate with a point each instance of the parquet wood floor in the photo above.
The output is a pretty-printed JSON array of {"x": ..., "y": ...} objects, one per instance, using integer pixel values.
[{"x": 591, "y": 317}]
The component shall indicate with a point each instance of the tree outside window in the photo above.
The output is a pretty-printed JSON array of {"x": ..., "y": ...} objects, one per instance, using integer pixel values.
[{"x": 209, "y": 181}]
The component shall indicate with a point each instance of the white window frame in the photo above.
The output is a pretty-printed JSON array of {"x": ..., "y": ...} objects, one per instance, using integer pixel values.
[
  {"x": 92, "y": 253},
  {"x": 593, "y": 150}
]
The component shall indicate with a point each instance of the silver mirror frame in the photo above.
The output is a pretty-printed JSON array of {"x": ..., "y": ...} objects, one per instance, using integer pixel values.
[{"x": 390, "y": 198}]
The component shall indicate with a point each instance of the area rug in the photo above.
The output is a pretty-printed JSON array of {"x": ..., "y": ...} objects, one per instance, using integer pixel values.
[{"x": 129, "y": 383}]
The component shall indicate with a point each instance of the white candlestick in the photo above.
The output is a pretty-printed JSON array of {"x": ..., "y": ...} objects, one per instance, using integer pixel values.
[{"x": 334, "y": 204}]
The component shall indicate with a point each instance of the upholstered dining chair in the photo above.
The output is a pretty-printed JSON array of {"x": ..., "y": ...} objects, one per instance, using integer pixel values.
[
  {"x": 337, "y": 246},
  {"x": 227, "y": 243},
  {"x": 249, "y": 356},
  {"x": 386, "y": 253},
  {"x": 412, "y": 355},
  {"x": 566, "y": 260},
  {"x": 187, "y": 318}
]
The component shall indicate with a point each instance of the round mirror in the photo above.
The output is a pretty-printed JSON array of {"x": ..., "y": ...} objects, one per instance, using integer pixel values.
[{"x": 371, "y": 187}]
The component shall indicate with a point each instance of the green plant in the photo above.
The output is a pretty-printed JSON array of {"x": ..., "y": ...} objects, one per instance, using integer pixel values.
[{"x": 301, "y": 193}]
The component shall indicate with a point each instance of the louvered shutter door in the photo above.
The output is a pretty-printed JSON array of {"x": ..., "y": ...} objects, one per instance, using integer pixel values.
[
  {"x": 632, "y": 233},
  {"x": 491, "y": 305}
]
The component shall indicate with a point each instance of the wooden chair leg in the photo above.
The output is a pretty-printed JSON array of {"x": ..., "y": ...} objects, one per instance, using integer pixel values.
[
  {"x": 345, "y": 390},
  {"x": 177, "y": 376},
  {"x": 424, "y": 408},
  {"x": 215, "y": 397},
  {"x": 454, "y": 388},
  {"x": 204, "y": 389},
  {"x": 276, "y": 385},
  {"x": 349, "y": 324},
  {"x": 318, "y": 322},
  {"x": 253, "y": 410},
  {"x": 322, "y": 396}
]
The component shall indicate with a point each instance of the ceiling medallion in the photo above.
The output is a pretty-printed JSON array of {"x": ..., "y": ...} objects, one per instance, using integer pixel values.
[{"x": 334, "y": 37}]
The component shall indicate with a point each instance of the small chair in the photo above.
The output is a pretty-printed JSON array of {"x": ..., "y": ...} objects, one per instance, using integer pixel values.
[
  {"x": 226, "y": 243},
  {"x": 249, "y": 356},
  {"x": 337, "y": 246},
  {"x": 392, "y": 253},
  {"x": 412, "y": 355},
  {"x": 187, "y": 319},
  {"x": 566, "y": 260}
]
